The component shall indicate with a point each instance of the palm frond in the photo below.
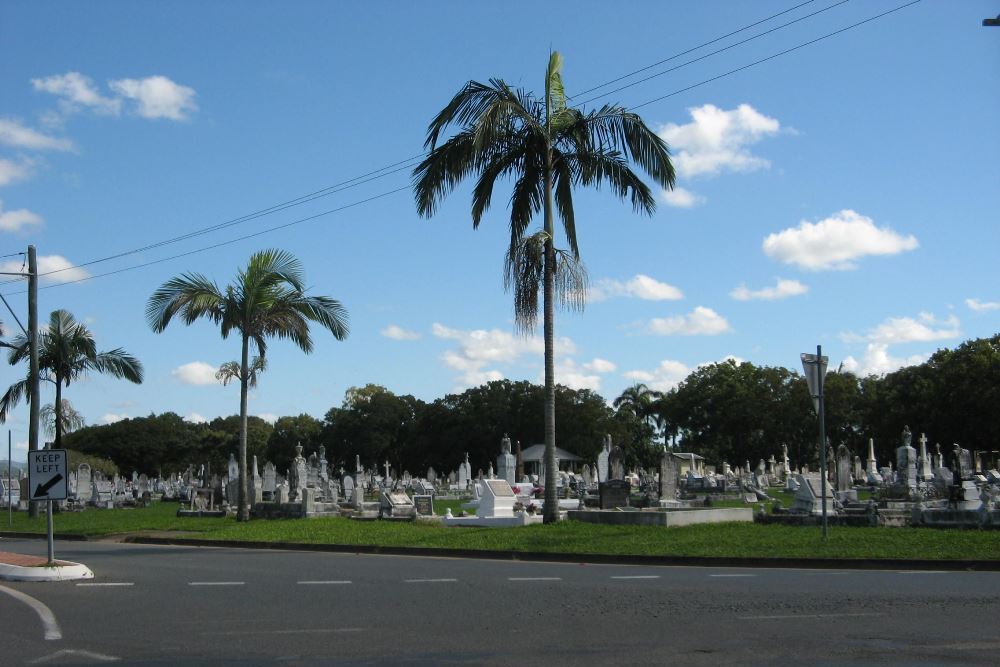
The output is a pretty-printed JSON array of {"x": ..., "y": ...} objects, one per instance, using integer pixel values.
[
  {"x": 524, "y": 272},
  {"x": 120, "y": 364},
  {"x": 191, "y": 295},
  {"x": 14, "y": 395}
]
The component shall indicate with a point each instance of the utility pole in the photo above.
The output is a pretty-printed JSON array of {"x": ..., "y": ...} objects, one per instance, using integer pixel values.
[{"x": 33, "y": 380}]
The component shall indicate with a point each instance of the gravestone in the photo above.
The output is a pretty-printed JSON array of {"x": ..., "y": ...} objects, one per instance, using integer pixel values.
[
  {"x": 616, "y": 464},
  {"x": 844, "y": 475},
  {"x": 396, "y": 504},
  {"x": 297, "y": 475},
  {"x": 312, "y": 471},
  {"x": 270, "y": 481},
  {"x": 497, "y": 499},
  {"x": 84, "y": 489},
  {"x": 668, "y": 476},
  {"x": 588, "y": 477},
  {"x": 874, "y": 476},
  {"x": 614, "y": 493},
  {"x": 808, "y": 497},
  {"x": 906, "y": 462},
  {"x": 603, "y": 459},
  {"x": 859, "y": 470},
  {"x": 926, "y": 471},
  {"x": 506, "y": 462},
  {"x": 464, "y": 473},
  {"x": 233, "y": 468},
  {"x": 348, "y": 488},
  {"x": 424, "y": 504},
  {"x": 431, "y": 475},
  {"x": 961, "y": 463}
]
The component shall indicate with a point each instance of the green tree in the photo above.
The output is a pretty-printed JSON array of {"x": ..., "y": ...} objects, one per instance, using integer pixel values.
[
  {"x": 266, "y": 300},
  {"x": 66, "y": 352},
  {"x": 547, "y": 148},
  {"x": 290, "y": 431}
]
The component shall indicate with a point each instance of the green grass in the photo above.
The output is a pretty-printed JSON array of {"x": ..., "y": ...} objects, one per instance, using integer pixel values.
[{"x": 718, "y": 540}]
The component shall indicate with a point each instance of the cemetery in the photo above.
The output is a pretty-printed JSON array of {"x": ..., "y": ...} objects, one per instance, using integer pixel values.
[{"x": 925, "y": 487}]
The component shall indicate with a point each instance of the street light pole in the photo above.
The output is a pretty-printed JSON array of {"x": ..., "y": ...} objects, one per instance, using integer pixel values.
[
  {"x": 33, "y": 380},
  {"x": 822, "y": 430}
]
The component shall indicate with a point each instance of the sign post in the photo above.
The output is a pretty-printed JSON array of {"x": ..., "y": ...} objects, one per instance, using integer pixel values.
[
  {"x": 48, "y": 470},
  {"x": 814, "y": 366}
]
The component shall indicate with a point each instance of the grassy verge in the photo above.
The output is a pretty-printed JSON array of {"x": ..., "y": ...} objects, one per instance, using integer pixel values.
[{"x": 718, "y": 540}]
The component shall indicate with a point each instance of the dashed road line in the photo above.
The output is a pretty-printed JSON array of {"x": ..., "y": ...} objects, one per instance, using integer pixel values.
[
  {"x": 429, "y": 581},
  {"x": 216, "y": 583},
  {"x": 732, "y": 575},
  {"x": 322, "y": 583},
  {"x": 637, "y": 576},
  {"x": 534, "y": 578},
  {"x": 107, "y": 584},
  {"x": 52, "y": 631}
]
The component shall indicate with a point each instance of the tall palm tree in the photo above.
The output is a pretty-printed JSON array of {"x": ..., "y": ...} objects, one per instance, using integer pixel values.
[
  {"x": 66, "y": 352},
  {"x": 547, "y": 148},
  {"x": 267, "y": 299}
]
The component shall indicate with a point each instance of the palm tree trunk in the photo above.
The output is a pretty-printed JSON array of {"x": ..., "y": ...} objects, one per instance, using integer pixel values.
[
  {"x": 57, "y": 444},
  {"x": 243, "y": 511},
  {"x": 551, "y": 510}
]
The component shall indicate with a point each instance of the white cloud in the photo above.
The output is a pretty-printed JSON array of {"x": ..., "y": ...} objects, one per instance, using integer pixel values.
[
  {"x": 157, "y": 97},
  {"x": 76, "y": 90},
  {"x": 195, "y": 418},
  {"x": 398, "y": 333},
  {"x": 12, "y": 172},
  {"x": 717, "y": 140},
  {"x": 894, "y": 330},
  {"x": 982, "y": 306},
  {"x": 664, "y": 377},
  {"x": 13, "y": 221},
  {"x": 835, "y": 243},
  {"x": 783, "y": 290},
  {"x": 598, "y": 365},
  {"x": 639, "y": 287},
  {"x": 13, "y": 133},
  {"x": 111, "y": 418},
  {"x": 681, "y": 198},
  {"x": 479, "y": 348},
  {"x": 23, "y": 446},
  {"x": 60, "y": 268},
  {"x": 196, "y": 372},
  {"x": 701, "y": 321},
  {"x": 878, "y": 361},
  {"x": 580, "y": 376},
  {"x": 269, "y": 417}
]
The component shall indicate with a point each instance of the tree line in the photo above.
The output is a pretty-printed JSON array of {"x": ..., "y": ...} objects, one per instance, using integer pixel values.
[{"x": 727, "y": 411}]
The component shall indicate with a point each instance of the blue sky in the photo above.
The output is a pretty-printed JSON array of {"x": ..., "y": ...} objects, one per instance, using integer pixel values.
[{"x": 843, "y": 194}]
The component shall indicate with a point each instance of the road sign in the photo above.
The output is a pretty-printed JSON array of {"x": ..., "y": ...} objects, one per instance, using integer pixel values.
[
  {"x": 815, "y": 369},
  {"x": 48, "y": 470}
]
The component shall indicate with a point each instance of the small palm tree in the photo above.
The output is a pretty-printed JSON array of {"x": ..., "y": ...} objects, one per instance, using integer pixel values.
[
  {"x": 267, "y": 299},
  {"x": 71, "y": 420},
  {"x": 66, "y": 352},
  {"x": 546, "y": 148}
]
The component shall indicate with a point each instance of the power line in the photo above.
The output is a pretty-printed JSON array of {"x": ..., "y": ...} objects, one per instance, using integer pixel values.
[
  {"x": 775, "y": 55},
  {"x": 691, "y": 50},
  {"x": 714, "y": 53},
  {"x": 229, "y": 242},
  {"x": 406, "y": 187},
  {"x": 405, "y": 164}
]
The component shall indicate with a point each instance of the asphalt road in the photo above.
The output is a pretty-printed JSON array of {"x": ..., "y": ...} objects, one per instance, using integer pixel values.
[{"x": 159, "y": 605}]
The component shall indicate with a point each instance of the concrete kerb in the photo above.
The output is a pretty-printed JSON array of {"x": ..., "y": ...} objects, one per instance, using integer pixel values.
[{"x": 64, "y": 571}]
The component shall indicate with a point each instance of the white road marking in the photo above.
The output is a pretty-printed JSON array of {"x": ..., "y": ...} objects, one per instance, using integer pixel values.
[
  {"x": 297, "y": 631},
  {"x": 75, "y": 653},
  {"x": 783, "y": 617},
  {"x": 922, "y": 572},
  {"x": 317, "y": 583},
  {"x": 48, "y": 619},
  {"x": 216, "y": 583},
  {"x": 732, "y": 575},
  {"x": 534, "y": 578},
  {"x": 109, "y": 584},
  {"x": 429, "y": 581},
  {"x": 638, "y": 576}
]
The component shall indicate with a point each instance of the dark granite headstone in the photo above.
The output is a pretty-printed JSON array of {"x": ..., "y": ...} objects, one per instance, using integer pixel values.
[
  {"x": 614, "y": 493},
  {"x": 424, "y": 505}
]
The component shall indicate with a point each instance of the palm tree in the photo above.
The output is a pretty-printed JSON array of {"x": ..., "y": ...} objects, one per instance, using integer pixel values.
[
  {"x": 267, "y": 299},
  {"x": 547, "y": 148},
  {"x": 70, "y": 418},
  {"x": 66, "y": 352}
]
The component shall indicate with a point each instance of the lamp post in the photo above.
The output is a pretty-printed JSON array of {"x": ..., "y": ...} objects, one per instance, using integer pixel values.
[{"x": 814, "y": 366}]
